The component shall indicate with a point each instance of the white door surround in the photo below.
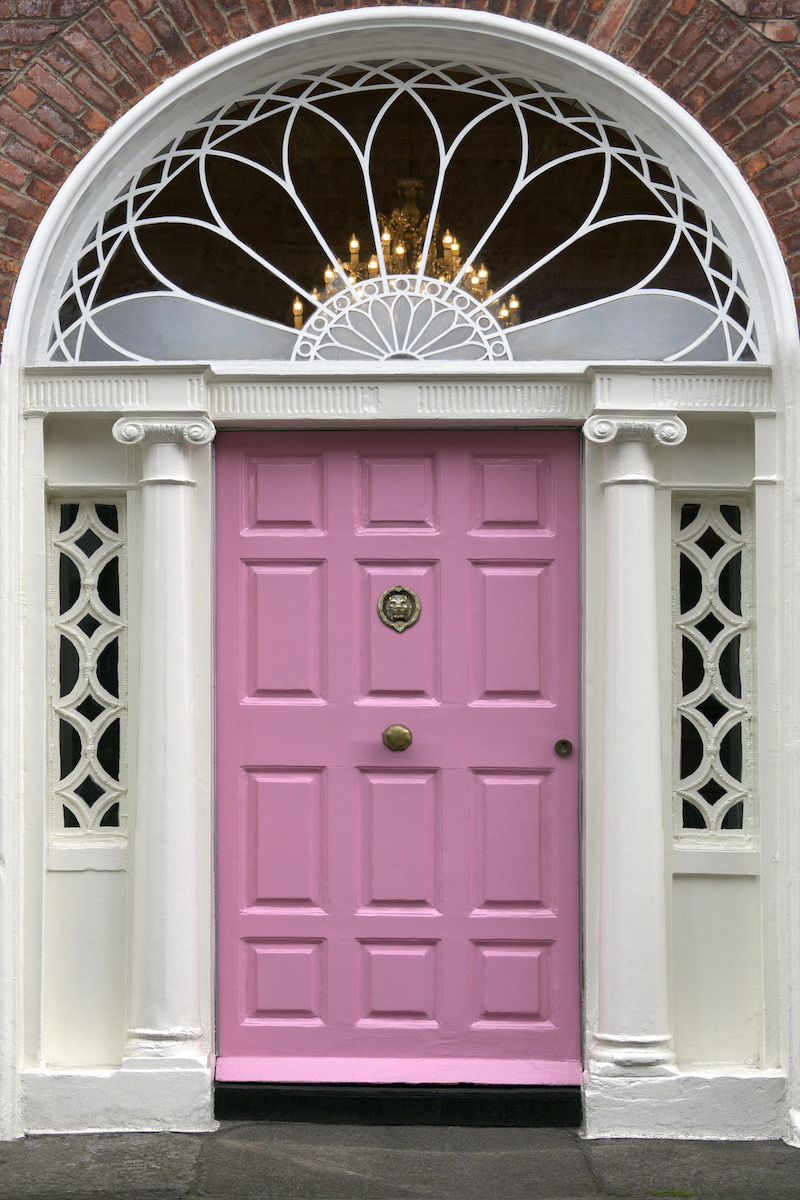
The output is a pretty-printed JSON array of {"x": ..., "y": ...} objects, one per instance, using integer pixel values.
[{"x": 146, "y": 431}]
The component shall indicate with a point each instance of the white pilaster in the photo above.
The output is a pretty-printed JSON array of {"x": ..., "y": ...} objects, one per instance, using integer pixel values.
[
  {"x": 164, "y": 1004},
  {"x": 633, "y": 1034}
]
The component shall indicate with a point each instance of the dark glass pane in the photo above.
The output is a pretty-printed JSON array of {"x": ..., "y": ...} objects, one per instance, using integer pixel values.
[
  {"x": 730, "y": 666},
  {"x": 89, "y": 791},
  {"x": 110, "y": 818},
  {"x": 691, "y": 748},
  {"x": 108, "y": 586},
  {"x": 710, "y": 626},
  {"x": 730, "y": 584},
  {"x": 730, "y": 751},
  {"x": 108, "y": 667},
  {"x": 89, "y": 543},
  {"x": 709, "y": 542},
  {"x": 691, "y": 584},
  {"x": 69, "y": 583},
  {"x": 70, "y": 820},
  {"x": 108, "y": 750},
  {"x": 88, "y": 624},
  {"x": 688, "y": 514},
  {"x": 108, "y": 515},
  {"x": 68, "y": 514},
  {"x": 692, "y": 817},
  {"x": 733, "y": 515},
  {"x": 734, "y": 817},
  {"x": 69, "y": 666},
  {"x": 69, "y": 743},
  {"x": 90, "y": 709},
  {"x": 692, "y": 669},
  {"x": 712, "y": 791},
  {"x": 712, "y": 709}
]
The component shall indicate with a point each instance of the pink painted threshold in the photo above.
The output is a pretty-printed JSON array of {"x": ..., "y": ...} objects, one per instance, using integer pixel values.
[
  {"x": 405, "y": 916},
  {"x": 402, "y": 1070}
]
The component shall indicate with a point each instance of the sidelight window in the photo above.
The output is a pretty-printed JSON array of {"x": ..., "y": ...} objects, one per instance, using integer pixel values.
[
  {"x": 87, "y": 665},
  {"x": 713, "y": 666}
]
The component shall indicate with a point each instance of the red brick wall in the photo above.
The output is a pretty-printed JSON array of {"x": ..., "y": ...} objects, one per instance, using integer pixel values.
[{"x": 69, "y": 68}]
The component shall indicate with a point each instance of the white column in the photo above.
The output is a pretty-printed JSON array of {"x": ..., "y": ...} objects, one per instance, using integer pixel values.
[
  {"x": 164, "y": 1004},
  {"x": 633, "y": 1035}
]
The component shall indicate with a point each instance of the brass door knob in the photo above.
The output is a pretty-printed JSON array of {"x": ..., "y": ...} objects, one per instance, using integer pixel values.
[{"x": 397, "y": 737}]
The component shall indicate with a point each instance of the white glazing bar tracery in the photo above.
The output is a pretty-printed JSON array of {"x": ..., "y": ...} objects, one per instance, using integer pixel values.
[
  {"x": 712, "y": 667},
  {"x": 577, "y": 239},
  {"x": 88, "y": 685}
]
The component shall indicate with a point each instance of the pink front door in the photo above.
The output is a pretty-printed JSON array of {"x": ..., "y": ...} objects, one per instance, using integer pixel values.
[{"x": 398, "y": 915}]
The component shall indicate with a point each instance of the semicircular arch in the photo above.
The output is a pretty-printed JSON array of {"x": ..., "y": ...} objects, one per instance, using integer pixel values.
[{"x": 752, "y": 314}]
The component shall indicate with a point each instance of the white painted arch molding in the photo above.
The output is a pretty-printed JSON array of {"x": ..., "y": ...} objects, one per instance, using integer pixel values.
[{"x": 471, "y": 37}]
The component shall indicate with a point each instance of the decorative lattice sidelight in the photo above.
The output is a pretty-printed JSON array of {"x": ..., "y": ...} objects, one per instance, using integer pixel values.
[
  {"x": 87, "y": 682},
  {"x": 425, "y": 211},
  {"x": 713, "y": 667}
]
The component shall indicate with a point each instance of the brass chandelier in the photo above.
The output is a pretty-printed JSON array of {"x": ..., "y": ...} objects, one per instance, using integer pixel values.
[{"x": 403, "y": 236}]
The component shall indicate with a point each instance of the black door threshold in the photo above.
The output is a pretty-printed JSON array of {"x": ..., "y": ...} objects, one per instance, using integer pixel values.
[{"x": 399, "y": 1104}]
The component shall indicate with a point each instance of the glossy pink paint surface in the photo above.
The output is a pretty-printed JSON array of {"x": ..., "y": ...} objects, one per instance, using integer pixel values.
[{"x": 398, "y": 915}]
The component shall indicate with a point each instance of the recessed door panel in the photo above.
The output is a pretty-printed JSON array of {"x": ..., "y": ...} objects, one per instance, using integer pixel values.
[
  {"x": 512, "y": 839},
  {"x": 398, "y": 492},
  {"x": 393, "y": 667},
  {"x": 409, "y": 913},
  {"x": 285, "y": 494},
  {"x": 511, "y": 493},
  {"x": 511, "y": 631},
  {"x": 284, "y": 651},
  {"x": 397, "y": 983},
  {"x": 285, "y": 842},
  {"x": 399, "y": 832}
]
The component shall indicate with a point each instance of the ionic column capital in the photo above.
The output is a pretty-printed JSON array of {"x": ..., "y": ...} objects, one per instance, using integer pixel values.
[
  {"x": 195, "y": 430},
  {"x": 604, "y": 429}
]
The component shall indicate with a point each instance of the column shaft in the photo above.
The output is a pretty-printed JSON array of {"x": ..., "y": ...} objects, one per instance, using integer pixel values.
[
  {"x": 633, "y": 1023},
  {"x": 164, "y": 1006}
]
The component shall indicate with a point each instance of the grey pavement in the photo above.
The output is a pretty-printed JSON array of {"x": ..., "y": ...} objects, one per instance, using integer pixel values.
[{"x": 275, "y": 1161}]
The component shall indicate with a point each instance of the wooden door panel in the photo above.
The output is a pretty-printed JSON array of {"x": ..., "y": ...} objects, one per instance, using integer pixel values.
[
  {"x": 390, "y": 667},
  {"x": 407, "y": 915}
]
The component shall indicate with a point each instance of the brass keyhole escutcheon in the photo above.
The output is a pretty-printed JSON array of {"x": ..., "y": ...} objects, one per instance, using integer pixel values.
[
  {"x": 563, "y": 747},
  {"x": 397, "y": 737}
]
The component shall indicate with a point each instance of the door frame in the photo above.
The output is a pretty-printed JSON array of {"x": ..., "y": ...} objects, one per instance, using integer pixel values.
[
  {"x": 415, "y": 1065},
  {"x": 177, "y": 406}
]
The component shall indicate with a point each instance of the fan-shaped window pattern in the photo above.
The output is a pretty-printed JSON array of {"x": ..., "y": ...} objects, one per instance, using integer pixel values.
[{"x": 405, "y": 210}]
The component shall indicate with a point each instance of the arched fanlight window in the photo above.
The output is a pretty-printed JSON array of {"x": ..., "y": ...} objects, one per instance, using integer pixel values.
[{"x": 405, "y": 210}]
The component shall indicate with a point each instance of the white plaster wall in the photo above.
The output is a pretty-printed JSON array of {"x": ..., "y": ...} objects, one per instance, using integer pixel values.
[
  {"x": 84, "y": 968},
  {"x": 717, "y": 995}
]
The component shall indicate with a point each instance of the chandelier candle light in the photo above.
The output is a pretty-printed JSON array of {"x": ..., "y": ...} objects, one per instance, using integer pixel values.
[{"x": 402, "y": 246}]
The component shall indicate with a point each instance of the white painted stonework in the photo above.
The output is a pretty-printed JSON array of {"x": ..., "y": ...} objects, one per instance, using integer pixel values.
[{"x": 692, "y": 945}]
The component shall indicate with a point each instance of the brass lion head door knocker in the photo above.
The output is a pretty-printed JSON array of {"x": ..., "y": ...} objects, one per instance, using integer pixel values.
[{"x": 399, "y": 607}]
